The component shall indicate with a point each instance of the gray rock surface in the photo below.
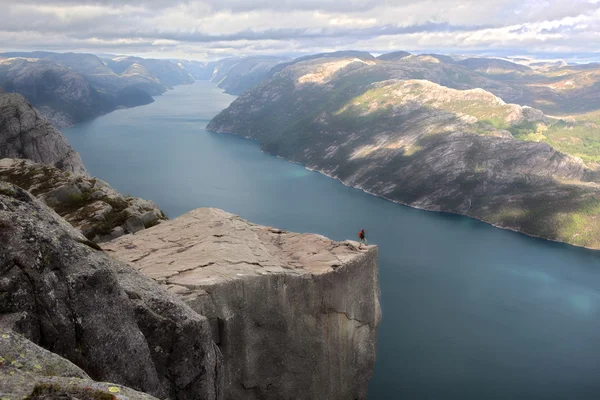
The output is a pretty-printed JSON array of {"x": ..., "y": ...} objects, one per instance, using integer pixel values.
[
  {"x": 24, "y": 133},
  {"x": 29, "y": 370},
  {"x": 111, "y": 321},
  {"x": 89, "y": 204},
  {"x": 295, "y": 315}
]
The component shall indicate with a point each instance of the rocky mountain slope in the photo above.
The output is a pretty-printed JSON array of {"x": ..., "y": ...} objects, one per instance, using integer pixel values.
[
  {"x": 24, "y": 133},
  {"x": 295, "y": 316},
  {"x": 422, "y": 142},
  {"x": 88, "y": 204},
  {"x": 114, "y": 323}
]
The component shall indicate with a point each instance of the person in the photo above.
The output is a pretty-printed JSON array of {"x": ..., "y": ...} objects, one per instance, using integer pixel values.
[{"x": 363, "y": 238}]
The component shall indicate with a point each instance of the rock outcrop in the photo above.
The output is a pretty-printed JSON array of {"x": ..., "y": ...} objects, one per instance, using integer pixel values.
[
  {"x": 114, "y": 323},
  {"x": 29, "y": 371},
  {"x": 89, "y": 204},
  {"x": 24, "y": 133},
  {"x": 295, "y": 315}
]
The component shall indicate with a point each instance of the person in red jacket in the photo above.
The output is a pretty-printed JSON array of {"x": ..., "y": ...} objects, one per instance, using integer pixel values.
[{"x": 363, "y": 238}]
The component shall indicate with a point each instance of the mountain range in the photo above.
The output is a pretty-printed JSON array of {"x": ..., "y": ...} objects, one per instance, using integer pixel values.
[{"x": 487, "y": 138}]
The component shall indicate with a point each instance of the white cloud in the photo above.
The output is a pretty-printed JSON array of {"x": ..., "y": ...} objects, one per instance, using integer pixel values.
[{"x": 217, "y": 28}]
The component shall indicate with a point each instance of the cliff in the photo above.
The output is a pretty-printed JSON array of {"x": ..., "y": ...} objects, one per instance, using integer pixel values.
[
  {"x": 89, "y": 204},
  {"x": 423, "y": 142},
  {"x": 294, "y": 315},
  {"x": 25, "y": 134},
  {"x": 111, "y": 321}
]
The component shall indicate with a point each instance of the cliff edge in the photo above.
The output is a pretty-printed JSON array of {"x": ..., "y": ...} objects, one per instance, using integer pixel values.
[{"x": 295, "y": 315}]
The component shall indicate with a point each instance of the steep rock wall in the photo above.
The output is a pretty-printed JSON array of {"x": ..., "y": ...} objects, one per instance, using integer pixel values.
[
  {"x": 24, "y": 133},
  {"x": 295, "y": 316}
]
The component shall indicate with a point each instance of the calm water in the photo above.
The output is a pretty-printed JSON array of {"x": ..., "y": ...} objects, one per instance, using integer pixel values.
[{"x": 470, "y": 311}]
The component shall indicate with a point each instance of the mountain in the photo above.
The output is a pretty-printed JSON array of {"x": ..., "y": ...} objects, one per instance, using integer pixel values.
[
  {"x": 167, "y": 72},
  {"x": 65, "y": 96},
  {"x": 494, "y": 66},
  {"x": 24, "y": 133},
  {"x": 236, "y": 75},
  {"x": 556, "y": 89},
  {"x": 360, "y": 55},
  {"x": 393, "y": 56},
  {"x": 62, "y": 95},
  {"x": 73, "y": 87},
  {"x": 97, "y": 72},
  {"x": 198, "y": 70},
  {"x": 423, "y": 132}
]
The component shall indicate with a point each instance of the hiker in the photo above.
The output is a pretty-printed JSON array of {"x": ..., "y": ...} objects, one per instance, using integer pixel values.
[{"x": 363, "y": 238}]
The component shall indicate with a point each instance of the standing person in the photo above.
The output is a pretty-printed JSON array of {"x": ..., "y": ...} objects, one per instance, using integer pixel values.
[{"x": 363, "y": 238}]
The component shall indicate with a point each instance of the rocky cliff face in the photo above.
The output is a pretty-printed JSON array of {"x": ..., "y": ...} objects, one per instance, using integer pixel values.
[
  {"x": 29, "y": 371},
  {"x": 88, "y": 204},
  {"x": 421, "y": 143},
  {"x": 295, "y": 316},
  {"x": 111, "y": 321},
  {"x": 24, "y": 133}
]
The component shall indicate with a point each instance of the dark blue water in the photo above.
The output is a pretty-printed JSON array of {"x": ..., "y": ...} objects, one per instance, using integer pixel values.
[{"x": 469, "y": 311}]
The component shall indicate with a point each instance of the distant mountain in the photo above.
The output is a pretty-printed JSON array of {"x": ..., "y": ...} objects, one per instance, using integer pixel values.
[
  {"x": 423, "y": 132},
  {"x": 441, "y": 58},
  {"x": 494, "y": 66},
  {"x": 199, "y": 70},
  {"x": 167, "y": 72},
  {"x": 236, "y": 75},
  {"x": 72, "y": 87},
  {"x": 396, "y": 55},
  {"x": 361, "y": 55},
  {"x": 63, "y": 96}
]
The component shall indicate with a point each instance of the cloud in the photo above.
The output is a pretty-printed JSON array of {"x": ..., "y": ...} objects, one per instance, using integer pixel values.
[{"x": 216, "y": 28}]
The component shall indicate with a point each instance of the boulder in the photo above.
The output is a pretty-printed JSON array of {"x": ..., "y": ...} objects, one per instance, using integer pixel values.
[
  {"x": 149, "y": 218},
  {"x": 134, "y": 224},
  {"x": 64, "y": 194},
  {"x": 62, "y": 293},
  {"x": 29, "y": 371}
]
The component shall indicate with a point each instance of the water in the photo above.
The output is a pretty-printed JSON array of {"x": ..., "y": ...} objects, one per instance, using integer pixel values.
[{"x": 469, "y": 311}]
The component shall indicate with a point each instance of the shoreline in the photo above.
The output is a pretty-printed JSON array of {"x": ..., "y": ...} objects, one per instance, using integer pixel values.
[{"x": 322, "y": 172}]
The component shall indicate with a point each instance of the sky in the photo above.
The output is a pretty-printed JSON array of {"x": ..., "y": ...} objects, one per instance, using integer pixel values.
[{"x": 212, "y": 29}]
